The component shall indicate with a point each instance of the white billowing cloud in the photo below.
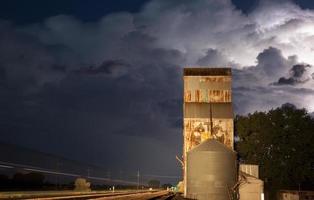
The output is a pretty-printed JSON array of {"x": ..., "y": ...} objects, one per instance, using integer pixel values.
[
  {"x": 191, "y": 27},
  {"x": 195, "y": 26},
  {"x": 214, "y": 58},
  {"x": 286, "y": 26},
  {"x": 264, "y": 44}
]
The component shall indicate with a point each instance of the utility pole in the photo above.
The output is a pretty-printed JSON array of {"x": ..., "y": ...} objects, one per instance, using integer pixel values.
[
  {"x": 57, "y": 175},
  {"x": 211, "y": 118},
  {"x": 108, "y": 174},
  {"x": 138, "y": 179},
  {"x": 88, "y": 172}
]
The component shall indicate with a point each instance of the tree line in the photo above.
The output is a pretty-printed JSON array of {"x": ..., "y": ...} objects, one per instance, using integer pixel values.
[{"x": 281, "y": 142}]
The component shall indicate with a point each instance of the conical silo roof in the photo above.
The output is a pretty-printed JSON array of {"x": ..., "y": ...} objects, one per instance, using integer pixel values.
[{"x": 212, "y": 145}]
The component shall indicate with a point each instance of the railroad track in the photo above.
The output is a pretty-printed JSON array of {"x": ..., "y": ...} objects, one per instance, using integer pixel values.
[
  {"x": 151, "y": 195},
  {"x": 138, "y": 195},
  {"x": 84, "y": 196},
  {"x": 168, "y": 196}
]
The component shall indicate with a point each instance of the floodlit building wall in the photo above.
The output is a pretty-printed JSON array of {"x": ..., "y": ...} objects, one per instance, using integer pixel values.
[
  {"x": 251, "y": 189},
  {"x": 289, "y": 196},
  {"x": 249, "y": 169}
]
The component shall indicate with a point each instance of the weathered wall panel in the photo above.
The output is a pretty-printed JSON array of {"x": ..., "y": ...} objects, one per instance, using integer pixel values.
[{"x": 202, "y": 110}]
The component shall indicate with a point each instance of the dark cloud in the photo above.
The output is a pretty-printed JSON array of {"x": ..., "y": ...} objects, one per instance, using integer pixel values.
[
  {"x": 2, "y": 74},
  {"x": 125, "y": 102},
  {"x": 298, "y": 75},
  {"x": 286, "y": 81},
  {"x": 27, "y": 63},
  {"x": 298, "y": 71},
  {"x": 108, "y": 67}
]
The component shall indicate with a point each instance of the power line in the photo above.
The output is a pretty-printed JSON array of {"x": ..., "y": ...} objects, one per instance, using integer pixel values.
[
  {"x": 138, "y": 179},
  {"x": 10, "y": 165},
  {"x": 161, "y": 176},
  {"x": 49, "y": 171}
]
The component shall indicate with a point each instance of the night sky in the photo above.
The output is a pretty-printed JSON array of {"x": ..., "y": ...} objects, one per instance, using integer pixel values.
[{"x": 101, "y": 81}]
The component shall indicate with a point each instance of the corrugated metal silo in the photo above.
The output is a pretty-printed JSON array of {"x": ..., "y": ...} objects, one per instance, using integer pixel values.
[{"x": 211, "y": 171}]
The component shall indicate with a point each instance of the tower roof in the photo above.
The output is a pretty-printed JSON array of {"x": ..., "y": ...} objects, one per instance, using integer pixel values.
[
  {"x": 212, "y": 145},
  {"x": 207, "y": 71}
]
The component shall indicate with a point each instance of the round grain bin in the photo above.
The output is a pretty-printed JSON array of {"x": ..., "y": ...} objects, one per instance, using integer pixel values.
[{"x": 211, "y": 171}]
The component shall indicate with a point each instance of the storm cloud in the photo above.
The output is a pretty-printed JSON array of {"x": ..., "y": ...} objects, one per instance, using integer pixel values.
[
  {"x": 298, "y": 75},
  {"x": 115, "y": 85}
]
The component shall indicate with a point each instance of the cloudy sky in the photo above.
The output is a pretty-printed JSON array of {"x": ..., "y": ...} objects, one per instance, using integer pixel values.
[{"x": 101, "y": 81}]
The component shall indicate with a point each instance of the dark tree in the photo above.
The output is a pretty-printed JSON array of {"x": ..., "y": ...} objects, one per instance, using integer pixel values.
[
  {"x": 154, "y": 183},
  {"x": 29, "y": 180},
  {"x": 4, "y": 181},
  {"x": 281, "y": 142},
  {"x": 167, "y": 185}
]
